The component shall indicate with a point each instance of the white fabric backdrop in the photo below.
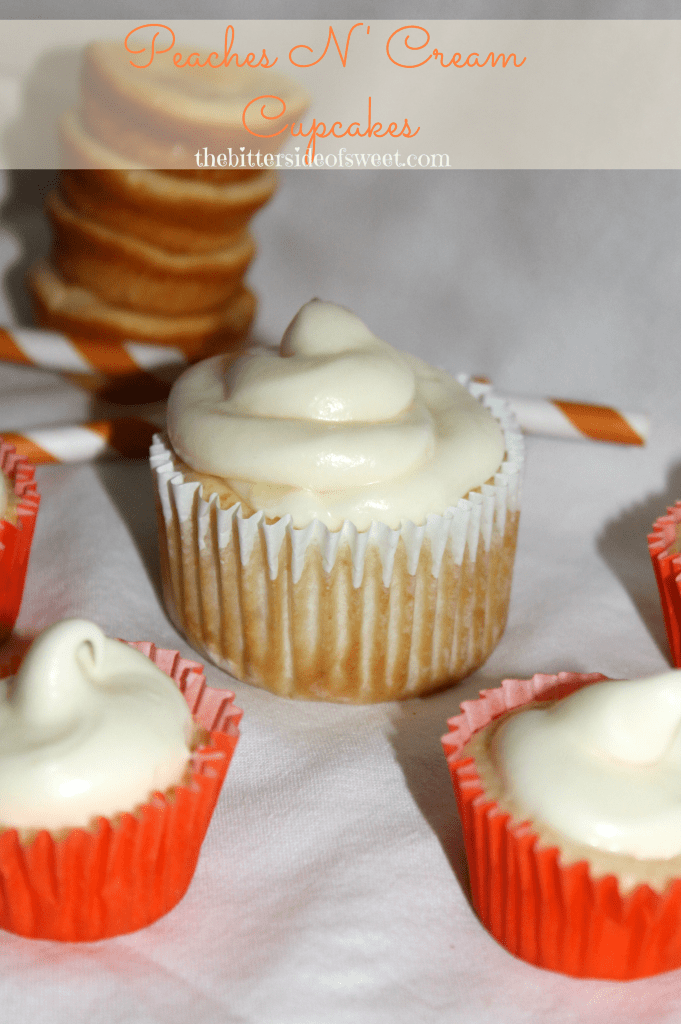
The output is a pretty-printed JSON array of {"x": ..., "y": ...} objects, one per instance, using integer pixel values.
[{"x": 331, "y": 886}]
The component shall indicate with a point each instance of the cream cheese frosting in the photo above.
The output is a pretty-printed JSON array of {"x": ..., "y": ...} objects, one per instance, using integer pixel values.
[
  {"x": 601, "y": 767},
  {"x": 337, "y": 425},
  {"x": 88, "y": 726}
]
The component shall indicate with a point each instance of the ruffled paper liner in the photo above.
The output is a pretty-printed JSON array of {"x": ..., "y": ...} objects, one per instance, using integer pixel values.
[
  {"x": 553, "y": 915},
  {"x": 132, "y": 869},
  {"x": 16, "y": 538},
  {"x": 342, "y": 615},
  {"x": 667, "y": 569}
]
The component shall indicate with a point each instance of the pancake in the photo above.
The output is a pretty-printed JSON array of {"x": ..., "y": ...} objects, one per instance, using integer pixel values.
[
  {"x": 161, "y": 115},
  {"x": 75, "y": 311},
  {"x": 131, "y": 273},
  {"x": 176, "y": 214}
]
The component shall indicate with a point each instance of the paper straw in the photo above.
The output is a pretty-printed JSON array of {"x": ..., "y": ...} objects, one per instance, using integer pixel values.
[
  {"x": 127, "y": 372},
  {"x": 576, "y": 421},
  {"x": 53, "y": 351},
  {"x": 557, "y": 417},
  {"x": 136, "y": 373},
  {"x": 128, "y": 436}
]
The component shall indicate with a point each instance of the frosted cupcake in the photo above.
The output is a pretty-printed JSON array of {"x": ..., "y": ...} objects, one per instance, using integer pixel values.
[
  {"x": 111, "y": 759},
  {"x": 337, "y": 519},
  {"x": 570, "y": 799},
  {"x": 664, "y": 545},
  {"x": 19, "y": 501}
]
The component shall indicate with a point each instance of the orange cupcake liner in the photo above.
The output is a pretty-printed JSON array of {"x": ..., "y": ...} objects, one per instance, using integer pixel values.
[
  {"x": 667, "y": 567},
  {"x": 553, "y": 915},
  {"x": 15, "y": 539},
  {"x": 129, "y": 870}
]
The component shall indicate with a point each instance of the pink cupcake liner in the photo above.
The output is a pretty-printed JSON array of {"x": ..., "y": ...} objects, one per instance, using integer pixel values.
[
  {"x": 132, "y": 869},
  {"x": 15, "y": 539},
  {"x": 667, "y": 569},
  {"x": 553, "y": 915}
]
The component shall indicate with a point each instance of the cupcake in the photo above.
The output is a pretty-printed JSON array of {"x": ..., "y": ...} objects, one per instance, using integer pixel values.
[
  {"x": 19, "y": 500},
  {"x": 569, "y": 790},
  {"x": 664, "y": 544},
  {"x": 112, "y": 756},
  {"x": 337, "y": 519}
]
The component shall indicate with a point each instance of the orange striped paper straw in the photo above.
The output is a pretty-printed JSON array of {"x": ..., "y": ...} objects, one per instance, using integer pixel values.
[
  {"x": 127, "y": 372},
  {"x": 559, "y": 417},
  {"x": 127, "y": 436}
]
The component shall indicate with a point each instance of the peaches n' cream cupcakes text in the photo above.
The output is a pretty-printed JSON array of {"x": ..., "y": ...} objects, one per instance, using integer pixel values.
[{"x": 337, "y": 425}]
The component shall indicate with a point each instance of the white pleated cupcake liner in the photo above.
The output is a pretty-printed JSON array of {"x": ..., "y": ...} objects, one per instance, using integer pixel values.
[{"x": 437, "y": 591}]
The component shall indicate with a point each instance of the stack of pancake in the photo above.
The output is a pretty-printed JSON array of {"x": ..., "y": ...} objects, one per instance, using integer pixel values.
[{"x": 149, "y": 254}]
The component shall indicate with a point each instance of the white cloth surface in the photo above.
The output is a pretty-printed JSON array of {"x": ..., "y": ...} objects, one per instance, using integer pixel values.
[{"x": 331, "y": 887}]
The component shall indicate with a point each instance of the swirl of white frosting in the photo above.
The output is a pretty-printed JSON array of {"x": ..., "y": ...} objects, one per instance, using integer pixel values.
[
  {"x": 336, "y": 425},
  {"x": 602, "y": 766},
  {"x": 88, "y": 726}
]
